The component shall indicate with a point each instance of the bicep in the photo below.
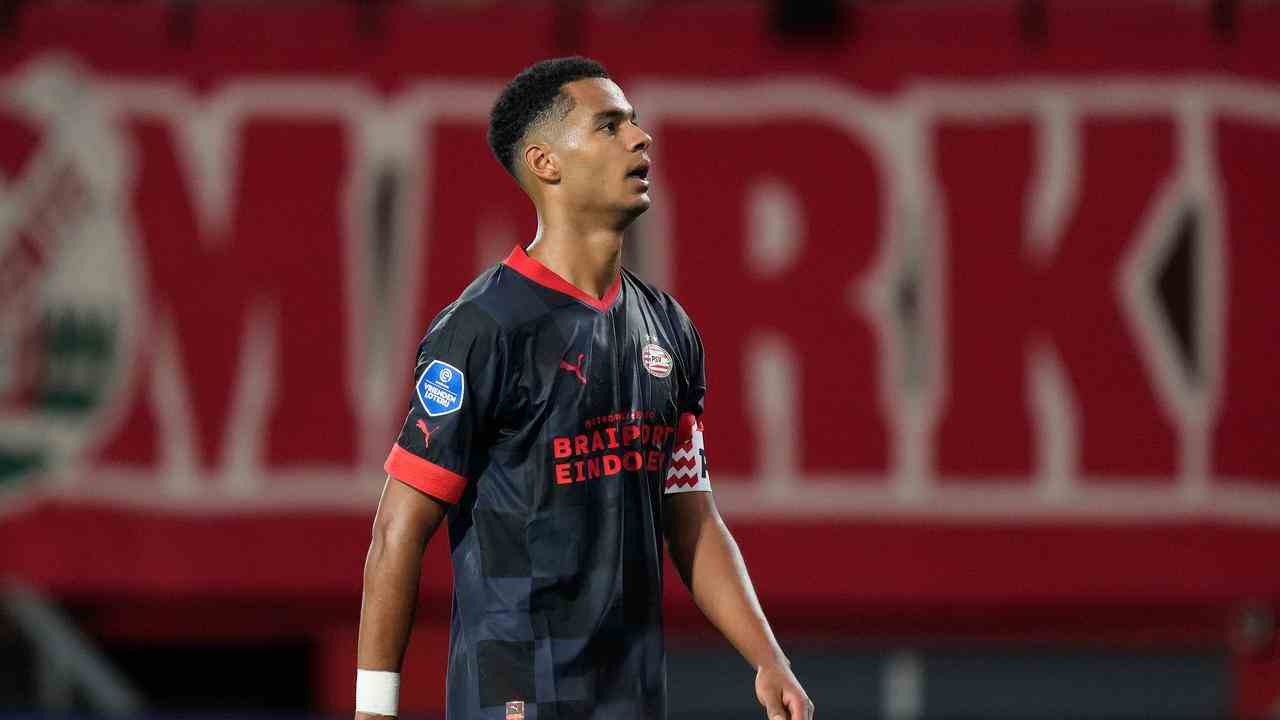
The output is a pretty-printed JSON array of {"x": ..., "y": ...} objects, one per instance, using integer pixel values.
[
  {"x": 452, "y": 407},
  {"x": 684, "y": 515},
  {"x": 406, "y": 514}
]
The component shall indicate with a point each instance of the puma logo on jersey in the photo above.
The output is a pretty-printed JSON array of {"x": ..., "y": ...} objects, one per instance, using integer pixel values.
[
  {"x": 426, "y": 432},
  {"x": 575, "y": 369}
]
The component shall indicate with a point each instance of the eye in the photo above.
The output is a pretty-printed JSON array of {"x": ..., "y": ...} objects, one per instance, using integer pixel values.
[{"x": 610, "y": 127}]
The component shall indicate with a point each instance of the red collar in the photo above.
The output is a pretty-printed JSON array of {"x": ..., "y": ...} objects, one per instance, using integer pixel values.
[{"x": 520, "y": 261}]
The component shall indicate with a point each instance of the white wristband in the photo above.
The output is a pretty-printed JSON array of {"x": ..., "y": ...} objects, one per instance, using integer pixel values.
[{"x": 377, "y": 691}]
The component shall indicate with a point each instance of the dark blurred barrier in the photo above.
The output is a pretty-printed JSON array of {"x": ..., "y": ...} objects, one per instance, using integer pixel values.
[{"x": 990, "y": 316}]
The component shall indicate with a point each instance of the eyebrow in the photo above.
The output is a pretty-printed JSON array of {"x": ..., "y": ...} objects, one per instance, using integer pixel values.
[{"x": 614, "y": 114}]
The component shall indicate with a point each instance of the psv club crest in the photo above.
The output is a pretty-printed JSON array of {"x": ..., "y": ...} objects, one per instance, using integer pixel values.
[
  {"x": 657, "y": 361},
  {"x": 68, "y": 296}
]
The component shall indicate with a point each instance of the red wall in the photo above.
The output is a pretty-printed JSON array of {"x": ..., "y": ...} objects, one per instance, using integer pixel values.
[{"x": 1028, "y": 433}]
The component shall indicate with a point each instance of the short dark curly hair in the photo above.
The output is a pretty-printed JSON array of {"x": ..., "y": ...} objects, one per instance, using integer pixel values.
[{"x": 531, "y": 97}]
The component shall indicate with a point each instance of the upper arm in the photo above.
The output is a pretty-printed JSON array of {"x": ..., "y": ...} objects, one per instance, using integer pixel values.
[
  {"x": 687, "y": 467},
  {"x": 407, "y": 515},
  {"x": 453, "y": 404},
  {"x": 683, "y": 517}
]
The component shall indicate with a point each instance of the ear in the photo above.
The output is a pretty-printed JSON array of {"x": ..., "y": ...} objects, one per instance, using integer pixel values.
[{"x": 541, "y": 162}]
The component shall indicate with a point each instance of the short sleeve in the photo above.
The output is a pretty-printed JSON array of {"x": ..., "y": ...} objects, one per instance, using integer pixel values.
[
  {"x": 687, "y": 468},
  {"x": 453, "y": 402}
]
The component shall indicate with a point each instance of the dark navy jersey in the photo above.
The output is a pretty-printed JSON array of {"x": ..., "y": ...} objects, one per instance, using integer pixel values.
[{"x": 554, "y": 423}]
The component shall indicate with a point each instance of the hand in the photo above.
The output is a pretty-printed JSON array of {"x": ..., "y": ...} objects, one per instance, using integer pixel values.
[{"x": 781, "y": 695}]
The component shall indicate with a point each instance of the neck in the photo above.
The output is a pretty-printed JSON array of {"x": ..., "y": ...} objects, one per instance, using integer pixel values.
[{"x": 588, "y": 257}]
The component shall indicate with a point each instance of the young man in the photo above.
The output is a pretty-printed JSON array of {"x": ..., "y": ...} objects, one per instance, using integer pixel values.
[{"x": 556, "y": 423}]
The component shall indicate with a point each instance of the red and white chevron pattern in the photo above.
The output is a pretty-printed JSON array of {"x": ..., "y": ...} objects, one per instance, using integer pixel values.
[{"x": 685, "y": 472}]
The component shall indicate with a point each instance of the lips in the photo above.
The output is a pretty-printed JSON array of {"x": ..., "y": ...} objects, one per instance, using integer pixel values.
[{"x": 640, "y": 171}]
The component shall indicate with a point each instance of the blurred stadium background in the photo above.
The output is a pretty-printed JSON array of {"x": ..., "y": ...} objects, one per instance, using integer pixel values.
[{"x": 988, "y": 289}]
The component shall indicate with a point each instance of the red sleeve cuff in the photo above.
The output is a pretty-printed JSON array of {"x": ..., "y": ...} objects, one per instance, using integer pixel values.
[{"x": 424, "y": 475}]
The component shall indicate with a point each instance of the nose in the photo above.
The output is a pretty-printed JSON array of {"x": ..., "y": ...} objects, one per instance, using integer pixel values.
[{"x": 642, "y": 140}]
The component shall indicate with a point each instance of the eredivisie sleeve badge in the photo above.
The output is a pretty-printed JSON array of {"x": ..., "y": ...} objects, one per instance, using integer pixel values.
[{"x": 440, "y": 388}]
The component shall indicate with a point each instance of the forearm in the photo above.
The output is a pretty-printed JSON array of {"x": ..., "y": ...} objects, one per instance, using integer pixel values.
[
  {"x": 390, "y": 596},
  {"x": 405, "y": 521},
  {"x": 711, "y": 565}
]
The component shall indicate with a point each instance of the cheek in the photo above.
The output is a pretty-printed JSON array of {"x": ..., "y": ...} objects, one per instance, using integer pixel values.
[{"x": 586, "y": 169}]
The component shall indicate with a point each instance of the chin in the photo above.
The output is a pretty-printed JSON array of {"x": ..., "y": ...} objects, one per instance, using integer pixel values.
[
  {"x": 637, "y": 207},
  {"x": 634, "y": 205}
]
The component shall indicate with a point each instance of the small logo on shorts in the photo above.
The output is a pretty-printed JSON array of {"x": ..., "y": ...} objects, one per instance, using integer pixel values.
[
  {"x": 515, "y": 710},
  {"x": 656, "y": 360}
]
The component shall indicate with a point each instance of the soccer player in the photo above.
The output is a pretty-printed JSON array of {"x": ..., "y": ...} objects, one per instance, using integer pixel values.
[{"x": 555, "y": 421}]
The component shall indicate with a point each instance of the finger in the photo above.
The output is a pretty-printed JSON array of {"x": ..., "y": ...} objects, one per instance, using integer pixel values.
[
  {"x": 774, "y": 708},
  {"x": 798, "y": 705}
]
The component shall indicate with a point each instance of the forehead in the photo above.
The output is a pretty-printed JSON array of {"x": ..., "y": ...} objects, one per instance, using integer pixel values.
[{"x": 595, "y": 95}]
